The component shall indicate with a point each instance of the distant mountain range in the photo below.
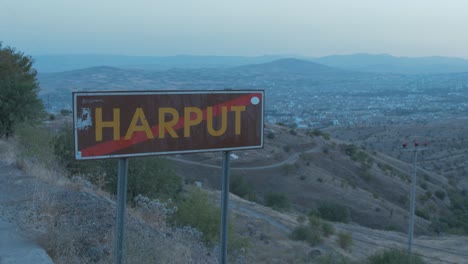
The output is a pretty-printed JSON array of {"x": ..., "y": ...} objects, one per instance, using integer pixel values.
[
  {"x": 389, "y": 64},
  {"x": 356, "y": 62},
  {"x": 60, "y": 63}
]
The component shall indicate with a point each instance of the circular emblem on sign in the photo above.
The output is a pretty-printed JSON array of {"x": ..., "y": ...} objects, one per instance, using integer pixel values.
[{"x": 255, "y": 100}]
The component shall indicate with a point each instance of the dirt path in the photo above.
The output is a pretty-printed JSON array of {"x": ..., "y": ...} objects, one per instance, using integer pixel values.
[{"x": 15, "y": 248}]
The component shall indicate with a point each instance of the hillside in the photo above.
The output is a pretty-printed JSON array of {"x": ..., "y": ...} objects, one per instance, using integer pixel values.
[
  {"x": 447, "y": 153},
  {"x": 310, "y": 170},
  {"x": 79, "y": 212}
]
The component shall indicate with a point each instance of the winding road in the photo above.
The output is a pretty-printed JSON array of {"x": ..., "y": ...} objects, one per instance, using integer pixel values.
[{"x": 289, "y": 160}]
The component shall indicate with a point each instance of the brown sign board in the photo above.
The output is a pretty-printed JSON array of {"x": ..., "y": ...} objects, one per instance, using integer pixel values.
[{"x": 141, "y": 123}]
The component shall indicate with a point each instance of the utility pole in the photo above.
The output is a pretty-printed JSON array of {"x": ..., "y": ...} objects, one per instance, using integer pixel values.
[{"x": 416, "y": 149}]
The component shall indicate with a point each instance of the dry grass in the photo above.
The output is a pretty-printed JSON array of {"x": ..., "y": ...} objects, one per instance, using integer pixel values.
[{"x": 74, "y": 221}]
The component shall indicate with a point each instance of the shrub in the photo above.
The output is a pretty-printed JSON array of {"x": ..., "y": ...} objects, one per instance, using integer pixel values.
[
  {"x": 325, "y": 150},
  {"x": 287, "y": 148},
  {"x": 456, "y": 222},
  {"x": 334, "y": 212},
  {"x": 240, "y": 187},
  {"x": 423, "y": 214},
  {"x": 423, "y": 185},
  {"x": 300, "y": 219},
  {"x": 149, "y": 176},
  {"x": 440, "y": 194},
  {"x": 305, "y": 233},
  {"x": 345, "y": 240},
  {"x": 65, "y": 112},
  {"x": 327, "y": 229},
  {"x": 277, "y": 201},
  {"x": 63, "y": 147},
  {"x": 195, "y": 210},
  {"x": 292, "y": 132},
  {"x": 271, "y": 135},
  {"x": 366, "y": 175},
  {"x": 314, "y": 221},
  {"x": 393, "y": 256}
]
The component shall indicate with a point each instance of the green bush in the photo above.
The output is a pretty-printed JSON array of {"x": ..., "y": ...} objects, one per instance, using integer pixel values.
[
  {"x": 281, "y": 124},
  {"x": 334, "y": 212},
  {"x": 63, "y": 147},
  {"x": 440, "y": 194},
  {"x": 240, "y": 187},
  {"x": 423, "y": 185},
  {"x": 327, "y": 229},
  {"x": 271, "y": 135},
  {"x": 305, "y": 233},
  {"x": 318, "y": 133},
  {"x": 314, "y": 221},
  {"x": 149, "y": 176},
  {"x": 197, "y": 211},
  {"x": 423, "y": 214},
  {"x": 301, "y": 219},
  {"x": 277, "y": 201},
  {"x": 357, "y": 155},
  {"x": 345, "y": 240},
  {"x": 394, "y": 256},
  {"x": 366, "y": 175},
  {"x": 457, "y": 221},
  {"x": 65, "y": 112}
]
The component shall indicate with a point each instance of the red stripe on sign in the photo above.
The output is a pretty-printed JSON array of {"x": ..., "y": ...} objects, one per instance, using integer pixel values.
[{"x": 109, "y": 147}]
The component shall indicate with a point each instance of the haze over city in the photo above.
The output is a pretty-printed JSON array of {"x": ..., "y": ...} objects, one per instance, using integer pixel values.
[{"x": 247, "y": 28}]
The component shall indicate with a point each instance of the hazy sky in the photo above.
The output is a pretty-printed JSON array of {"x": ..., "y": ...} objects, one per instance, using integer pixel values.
[{"x": 237, "y": 27}]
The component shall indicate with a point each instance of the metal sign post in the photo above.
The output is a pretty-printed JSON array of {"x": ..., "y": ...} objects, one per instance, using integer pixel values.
[
  {"x": 224, "y": 210},
  {"x": 120, "y": 218}
]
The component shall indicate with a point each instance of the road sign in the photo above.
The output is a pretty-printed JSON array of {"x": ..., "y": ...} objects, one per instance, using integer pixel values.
[{"x": 140, "y": 123}]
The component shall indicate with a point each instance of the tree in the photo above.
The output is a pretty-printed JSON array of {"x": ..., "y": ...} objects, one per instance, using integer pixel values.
[{"x": 18, "y": 90}]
